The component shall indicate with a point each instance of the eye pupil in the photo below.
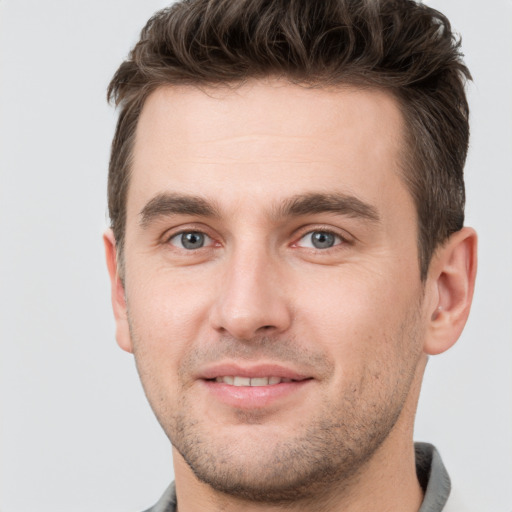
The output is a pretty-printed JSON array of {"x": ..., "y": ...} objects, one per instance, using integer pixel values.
[
  {"x": 192, "y": 240},
  {"x": 322, "y": 240}
]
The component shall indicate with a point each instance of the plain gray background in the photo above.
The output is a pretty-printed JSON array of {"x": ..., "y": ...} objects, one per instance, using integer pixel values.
[{"x": 76, "y": 432}]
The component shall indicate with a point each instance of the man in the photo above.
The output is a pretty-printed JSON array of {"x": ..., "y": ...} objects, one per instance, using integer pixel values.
[{"x": 287, "y": 246}]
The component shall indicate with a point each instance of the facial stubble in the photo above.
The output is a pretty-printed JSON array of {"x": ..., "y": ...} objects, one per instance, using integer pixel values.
[{"x": 328, "y": 450}]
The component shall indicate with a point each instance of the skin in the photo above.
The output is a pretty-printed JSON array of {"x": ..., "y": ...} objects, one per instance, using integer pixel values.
[{"x": 354, "y": 320}]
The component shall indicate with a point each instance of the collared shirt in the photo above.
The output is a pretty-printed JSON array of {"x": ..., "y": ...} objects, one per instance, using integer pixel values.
[
  {"x": 430, "y": 469},
  {"x": 433, "y": 478}
]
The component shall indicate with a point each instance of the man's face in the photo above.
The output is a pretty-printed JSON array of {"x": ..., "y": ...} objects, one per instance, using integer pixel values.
[{"x": 272, "y": 281}]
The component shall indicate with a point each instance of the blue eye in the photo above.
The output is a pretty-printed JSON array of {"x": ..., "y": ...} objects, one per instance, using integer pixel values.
[
  {"x": 190, "y": 240},
  {"x": 320, "y": 240}
]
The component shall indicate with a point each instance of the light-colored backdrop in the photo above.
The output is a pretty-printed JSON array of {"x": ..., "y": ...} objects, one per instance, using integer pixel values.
[{"x": 76, "y": 432}]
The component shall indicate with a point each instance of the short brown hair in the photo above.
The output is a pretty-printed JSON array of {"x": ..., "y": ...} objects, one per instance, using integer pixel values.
[{"x": 401, "y": 46}]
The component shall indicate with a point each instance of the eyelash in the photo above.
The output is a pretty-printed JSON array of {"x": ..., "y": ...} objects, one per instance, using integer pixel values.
[
  {"x": 207, "y": 245},
  {"x": 339, "y": 239}
]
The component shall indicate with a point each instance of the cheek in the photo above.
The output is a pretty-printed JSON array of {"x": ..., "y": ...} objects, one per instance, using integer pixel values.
[
  {"x": 354, "y": 303},
  {"x": 166, "y": 316},
  {"x": 168, "y": 312},
  {"x": 359, "y": 318},
  {"x": 168, "y": 298}
]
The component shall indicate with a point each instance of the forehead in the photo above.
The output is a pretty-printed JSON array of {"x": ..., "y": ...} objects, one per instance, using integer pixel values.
[{"x": 269, "y": 138}]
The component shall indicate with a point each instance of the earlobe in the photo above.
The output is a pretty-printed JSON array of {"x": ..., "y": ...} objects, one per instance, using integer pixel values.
[
  {"x": 451, "y": 282},
  {"x": 117, "y": 293}
]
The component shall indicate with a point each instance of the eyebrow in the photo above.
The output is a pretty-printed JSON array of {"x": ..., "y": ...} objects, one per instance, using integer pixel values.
[
  {"x": 167, "y": 204},
  {"x": 313, "y": 203}
]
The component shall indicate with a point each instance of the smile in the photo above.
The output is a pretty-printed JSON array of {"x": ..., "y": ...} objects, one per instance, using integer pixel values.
[{"x": 254, "y": 381}]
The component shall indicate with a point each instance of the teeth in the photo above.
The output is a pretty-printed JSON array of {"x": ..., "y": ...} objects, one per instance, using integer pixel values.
[
  {"x": 260, "y": 381},
  {"x": 242, "y": 381},
  {"x": 255, "y": 381}
]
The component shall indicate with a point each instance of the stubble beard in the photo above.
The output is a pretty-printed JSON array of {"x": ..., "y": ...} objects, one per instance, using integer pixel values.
[
  {"x": 330, "y": 451},
  {"x": 326, "y": 454}
]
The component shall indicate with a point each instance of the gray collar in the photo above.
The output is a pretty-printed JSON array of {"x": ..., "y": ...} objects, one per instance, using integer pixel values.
[{"x": 433, "y": 477}]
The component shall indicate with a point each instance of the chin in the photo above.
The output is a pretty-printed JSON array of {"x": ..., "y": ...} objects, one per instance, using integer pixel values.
[{"x": 268, "y": 469}]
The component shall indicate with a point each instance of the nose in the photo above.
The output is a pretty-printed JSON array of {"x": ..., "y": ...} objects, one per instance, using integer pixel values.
[{"x": 251, "y": 300}]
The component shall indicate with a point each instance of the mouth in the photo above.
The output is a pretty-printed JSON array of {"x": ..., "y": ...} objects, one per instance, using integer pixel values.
[
  {"x": 252, "y": 381},
  {"x": 254, "y": 387}
]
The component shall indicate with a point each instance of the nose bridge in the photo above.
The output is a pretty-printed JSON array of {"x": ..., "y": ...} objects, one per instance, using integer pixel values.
[{"x": 251, "y": 299}]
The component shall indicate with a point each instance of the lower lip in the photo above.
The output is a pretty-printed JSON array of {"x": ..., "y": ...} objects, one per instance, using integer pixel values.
[{"x": 253, "y": 397}]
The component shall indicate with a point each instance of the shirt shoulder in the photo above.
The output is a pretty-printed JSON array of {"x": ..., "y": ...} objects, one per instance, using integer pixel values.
[
  {"x": 437, "y": 486},
  {"x": 433, "y": 478},
  {"x": 167, "y": 503}
]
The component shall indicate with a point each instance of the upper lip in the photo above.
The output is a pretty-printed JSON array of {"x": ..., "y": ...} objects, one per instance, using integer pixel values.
[{"x": 251, "y": 371}]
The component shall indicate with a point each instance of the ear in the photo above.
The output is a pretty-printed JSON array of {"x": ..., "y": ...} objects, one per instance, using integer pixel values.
[
  {"x": 451, "y": 282},
  {"x": 117, "y": 293}
]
